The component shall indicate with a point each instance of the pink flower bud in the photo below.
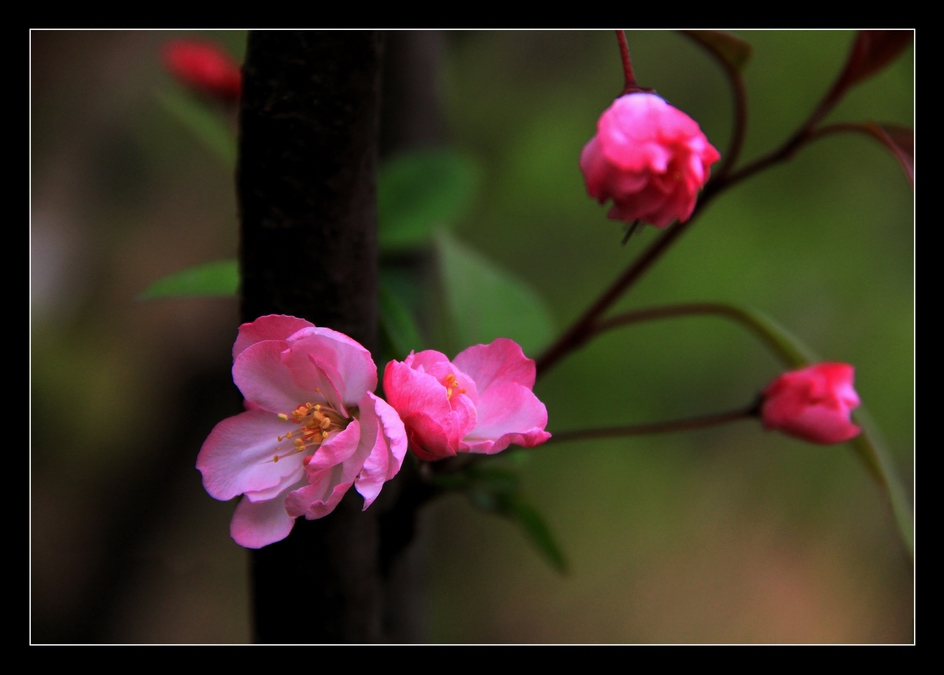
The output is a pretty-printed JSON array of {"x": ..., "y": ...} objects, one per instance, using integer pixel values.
[
  {"x": 651, "y": 159},
  {"x": 205, "y": 67},
  {"x": 813, "y": 403}
]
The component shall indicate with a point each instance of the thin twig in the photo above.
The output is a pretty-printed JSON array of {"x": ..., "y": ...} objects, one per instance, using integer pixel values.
[
  {"x": 630, "y": 77},
  {"x": 687, "y": 424}
]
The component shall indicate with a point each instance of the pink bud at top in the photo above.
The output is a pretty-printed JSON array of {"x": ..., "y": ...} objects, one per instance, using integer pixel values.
[
  {"x": 651, "y": 159},
  {"x": 205, "y": 67},
  {"x": 481, "y": 402},
  {"x": 813, "y": 403}
]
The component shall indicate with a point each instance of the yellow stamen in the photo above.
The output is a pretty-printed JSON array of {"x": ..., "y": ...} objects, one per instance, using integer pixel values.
[
  {"x": 450, "y": 383},
  {"x": 316, "y": 423}
]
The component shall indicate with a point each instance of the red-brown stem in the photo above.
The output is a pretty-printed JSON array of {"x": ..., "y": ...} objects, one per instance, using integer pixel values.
[
  {"x": 687, "y": 309},
  {"x": 740, "y": 121},
  {"x": 630, "y": 85},
  {"x": 687, "y": 424},
  {"x": 583, "y": 328},
  {"x": 800, "y": 137}
]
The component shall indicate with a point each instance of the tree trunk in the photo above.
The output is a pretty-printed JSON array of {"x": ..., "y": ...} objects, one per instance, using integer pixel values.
[{"x": 307, "y": 195}]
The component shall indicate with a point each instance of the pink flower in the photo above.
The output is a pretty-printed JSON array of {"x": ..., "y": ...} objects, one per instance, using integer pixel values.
[
  {"x": 481, "y": 402},
  {"x": 205, "y": 67},
  {"x": 813, "y": 403},
  {"x": 651, "y": 159},
  {"x": 312, "y": 429}
]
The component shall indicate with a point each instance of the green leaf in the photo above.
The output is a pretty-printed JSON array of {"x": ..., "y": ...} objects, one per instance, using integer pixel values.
[
  {"x": 217, "y": 278},
  {"x": 204, "y": 123},
  {"x": 731, "y": 50},
  {"x": 497, "y": 490},
  {"x": 397, "y": 323},
  {"x": 536, "y": 528},
  {"x": 486, "y": 302},
  {"x": 420, "y": 192}
]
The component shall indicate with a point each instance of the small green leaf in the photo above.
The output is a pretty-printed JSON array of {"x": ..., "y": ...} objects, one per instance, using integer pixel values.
[
  {"x": 420, "y": 192},
  {"x": 203, "y": 122},
  {"x": 497, "y": 490},
  {"x": 485, "y": 302},
  {"x": 536, "y": 528},
  {"x": 397, "y": 323},
  {"x": 217, "y": 278},
  {"x": 730, "y": 49},
  {"x": 870, "y": 447}
]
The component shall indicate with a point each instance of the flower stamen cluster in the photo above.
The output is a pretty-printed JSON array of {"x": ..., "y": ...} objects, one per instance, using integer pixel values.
[
  {"x": 449, "y": 382},
  {"x": 316, "y": 422}
]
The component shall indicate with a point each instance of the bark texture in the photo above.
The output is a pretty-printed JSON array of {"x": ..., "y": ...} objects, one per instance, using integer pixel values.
[{"x": 307, "y": 194}]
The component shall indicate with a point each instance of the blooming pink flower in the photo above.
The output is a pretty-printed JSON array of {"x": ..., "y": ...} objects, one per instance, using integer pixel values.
[
  {"x": 205, "y": 67},
  {"x": 813, "y": 403},
  {"x": 312, "y": 429},
  {"x": 651, "y": 159},
  {"x": 481, "y": 402}
]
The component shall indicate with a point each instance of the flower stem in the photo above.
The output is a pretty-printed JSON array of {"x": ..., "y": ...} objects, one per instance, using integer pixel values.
[
  {"x": 776, "y": 339},
  {"x": 583, "y": 329},
  {"x": 740, "y": 121},
  {"x": 703, "y": 422},
  {"x": 630, "y": 85}
]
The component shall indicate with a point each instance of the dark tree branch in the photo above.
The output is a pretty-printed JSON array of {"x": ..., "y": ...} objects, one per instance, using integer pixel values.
[{"x": 307, "y": 196}]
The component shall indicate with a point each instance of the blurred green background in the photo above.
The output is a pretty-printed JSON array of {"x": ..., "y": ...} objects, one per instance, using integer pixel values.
[{"x": 725, "y": 535}]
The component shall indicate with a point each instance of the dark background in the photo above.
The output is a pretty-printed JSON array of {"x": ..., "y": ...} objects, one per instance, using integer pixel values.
[{"x": 727, "y": 535}]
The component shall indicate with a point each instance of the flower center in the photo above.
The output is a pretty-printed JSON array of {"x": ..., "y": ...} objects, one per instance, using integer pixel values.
[
  {"x": 450, "y": 383},
  {"x": 316, "y": 422}
]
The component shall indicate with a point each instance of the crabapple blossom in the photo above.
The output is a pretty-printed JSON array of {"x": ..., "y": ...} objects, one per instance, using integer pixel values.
[
  {"x": 312, "y": 429},
  {"x": 205, "y": 67},
  {"x": 651, "y": 159},
  {"x": 813, "y": 403},
  {"x": 481, "y": 402}
]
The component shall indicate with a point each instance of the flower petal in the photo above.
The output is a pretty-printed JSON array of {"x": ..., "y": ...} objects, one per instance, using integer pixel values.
[
  {"x": 500, "y": 362},
  {"x": 348, "y": 364},
  {"x": 335, "y": 449},
  {"x": 321, "y": 496},
  {"x": 421, "y": 401},
  {"x": 264, "y": 379},
  {"x": 258, "y": 524},
  {"x": 271, "y": 327},
  {"x": 238, "y": 454},
  {"x": 383, "y": 432},
  {"x": 510, "y": 413}
]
